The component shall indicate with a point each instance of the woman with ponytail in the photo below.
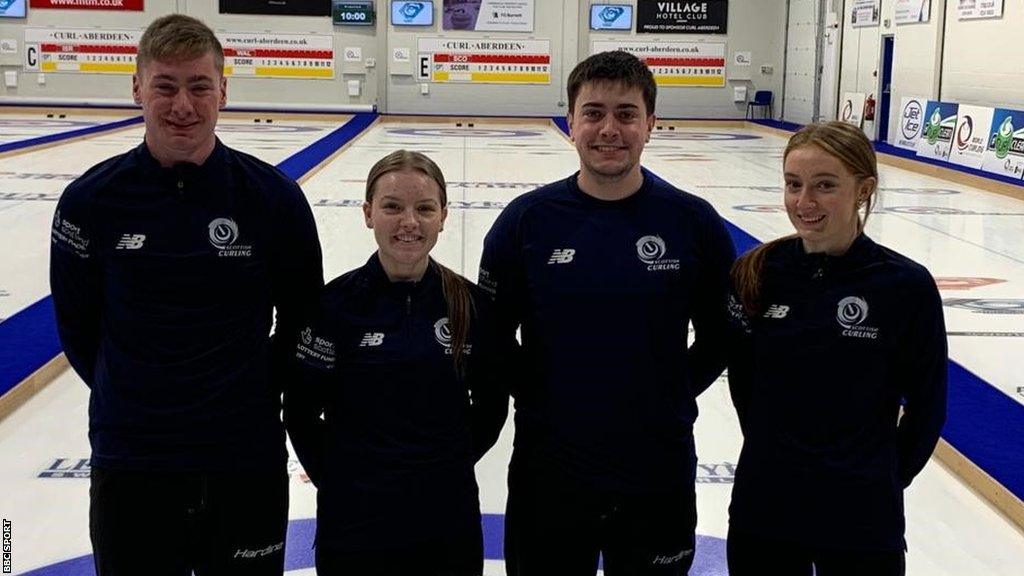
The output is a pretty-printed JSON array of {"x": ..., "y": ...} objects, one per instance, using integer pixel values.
[
  {"x": 402, "y": 390},
  {"x": 838, "y": 375}
]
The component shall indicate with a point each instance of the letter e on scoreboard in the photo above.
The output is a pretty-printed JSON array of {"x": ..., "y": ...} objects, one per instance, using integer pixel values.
[{"x": 426, "y": 64}]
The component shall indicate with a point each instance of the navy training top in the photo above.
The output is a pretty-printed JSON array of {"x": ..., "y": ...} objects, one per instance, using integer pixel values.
[
  {"x": 165, "y": 282},
  {"x": 818, "y": 380},
  {"x": 604, "y": 292},
  {"x": 393, "y": 455}
]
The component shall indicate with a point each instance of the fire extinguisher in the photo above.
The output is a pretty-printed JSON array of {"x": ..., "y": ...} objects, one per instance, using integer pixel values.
[{"x": 869, "y": 108}]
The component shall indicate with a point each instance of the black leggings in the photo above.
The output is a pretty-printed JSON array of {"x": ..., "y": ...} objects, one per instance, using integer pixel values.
[
  {"x": 553, "y": 530},
  {"x": 459, "y": 555},
  {"x": 751, "y": 555},
  {"x": 177, "y": 524}
]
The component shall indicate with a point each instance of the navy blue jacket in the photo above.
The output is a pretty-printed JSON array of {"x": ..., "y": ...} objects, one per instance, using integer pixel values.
[
  {"x": 393, "y": 455},
  {"x": 165, "y": 282},
  {"x": 818, "y": 380},
  {"x": 604, "y": 292}
]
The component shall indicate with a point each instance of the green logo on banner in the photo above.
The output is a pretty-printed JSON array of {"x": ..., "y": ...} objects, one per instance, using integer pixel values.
[
  {"x": 1004, "y": 137},
  {"x": 931, "y": 131}
]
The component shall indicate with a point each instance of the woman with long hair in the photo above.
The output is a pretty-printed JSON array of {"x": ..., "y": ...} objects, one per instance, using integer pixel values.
[
  {"x": 838, "y": 375},
  {"x": 402, "y": 390}
]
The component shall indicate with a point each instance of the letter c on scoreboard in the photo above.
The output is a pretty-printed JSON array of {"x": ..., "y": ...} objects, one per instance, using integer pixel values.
[{"x": 31, "y": 56}]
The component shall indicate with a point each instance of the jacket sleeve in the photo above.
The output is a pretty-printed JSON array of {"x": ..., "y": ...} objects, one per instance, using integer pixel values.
[
  {"x": 296, "y": 277},
  {"x": 707, "y": 354},
  {"x": 740, "y": 359},
  {"x": 489, "y": 379},
  {"x": 312, "y": 365},
  {"x": 924, "y": 370},
  {"x": 501, "y": 275},
  {"x": 75, "y": 283}
]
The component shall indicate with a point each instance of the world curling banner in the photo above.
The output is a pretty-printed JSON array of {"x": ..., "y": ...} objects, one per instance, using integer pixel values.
[
  {"x": 483, "y": 61},
  {"x": 81, "y": 50},
  {"x": 1005, "y": 152},
  {"x": 852, "y": 109},
  {"x": 699, "y": 64},
  {"x": 970, "y": 138},
  {"x": 937, "y": 135},
  {"x": 302, "y": 56}
]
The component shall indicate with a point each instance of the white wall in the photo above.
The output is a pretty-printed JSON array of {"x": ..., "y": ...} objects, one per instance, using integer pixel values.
[
  {"x": 757, "y": 26},
  {"x": 801, "y": 61},
  {"x": 117, "y": 87},
  {"x": 970, "y": 61},
  {"x": 917, "y": 58},
  {"x": 983, "y": 60},
  {"x": 550, "y": 17},
  {"x": 860, "y": 57}
]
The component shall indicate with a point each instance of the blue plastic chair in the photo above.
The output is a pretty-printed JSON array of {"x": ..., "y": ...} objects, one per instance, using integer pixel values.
[{"x": 763, "y": 100}]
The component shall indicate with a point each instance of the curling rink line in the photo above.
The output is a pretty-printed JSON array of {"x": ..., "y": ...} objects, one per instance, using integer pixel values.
[
  {"x": 31, "y": 183},
  {"x": 18, "y": 125},
  {"x": 950, "y": 531}
]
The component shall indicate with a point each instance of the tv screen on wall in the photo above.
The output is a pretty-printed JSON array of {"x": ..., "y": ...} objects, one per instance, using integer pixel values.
[
  {"x": 277, "y": 7},
  {"x": 611, "y": 17},
  {"x": 419, "y": 13},
  {"x": 12, "y": 9}
]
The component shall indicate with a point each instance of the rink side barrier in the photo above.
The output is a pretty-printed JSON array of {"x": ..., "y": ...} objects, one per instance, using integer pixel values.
[
  {"x": 30, "y": 352},
  {"x": 983, "y": 428},
  {"x": 909, "y": 160}
]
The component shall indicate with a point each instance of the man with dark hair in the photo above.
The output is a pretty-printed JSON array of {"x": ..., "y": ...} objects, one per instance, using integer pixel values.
[
  {"x": 167, "y": 264},
  {"x": 603, "y": 273}
]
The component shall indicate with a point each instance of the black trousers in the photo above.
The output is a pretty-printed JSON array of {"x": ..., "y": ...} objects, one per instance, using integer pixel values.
[
  {"x": 171, "y": 524},
  {"x": 560, "y": 530},
  {"x": 751, "y": 555},
  {"x": 458, "y": 555}
]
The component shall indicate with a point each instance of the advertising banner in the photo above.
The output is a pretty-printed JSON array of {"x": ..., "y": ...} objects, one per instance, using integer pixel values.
[
  {"x": 488, "y": 15},
  {"x": 81, "y": 50},
  {"x": 974, "y": 9},
  {"x": 937, "y": 134},
  {"x": 864, "y": 13},
  {"x": 276, "y": 7},
  {"x": 484, "y": 61},
  {"x": 851, "y": 110},
  {"x": 970, "y": 138},
  {"x": 127, "y": 5},
  {"x": 705, "y": 17},
  {"x": 1005, "y": 152},
  {"x": 700, "y": 64},
  {"x": 255, "y": 55},
  {"x": 911, "y": 122},
  {"x": 912, "y": 11}
]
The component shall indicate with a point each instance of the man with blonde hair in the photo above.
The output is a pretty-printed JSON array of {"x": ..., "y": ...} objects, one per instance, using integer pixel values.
[{"x": 167, "y": 265}]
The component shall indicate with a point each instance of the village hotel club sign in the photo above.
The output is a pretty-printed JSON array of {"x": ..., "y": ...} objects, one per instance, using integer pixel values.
[{"x": 705, "y": 17}]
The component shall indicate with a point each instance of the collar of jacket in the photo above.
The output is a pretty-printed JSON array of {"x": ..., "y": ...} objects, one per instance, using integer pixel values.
[
  {"x": 860, "y": 252},
  {"x": 212, "y": 173},
  {"x": 377, "y": 280}
]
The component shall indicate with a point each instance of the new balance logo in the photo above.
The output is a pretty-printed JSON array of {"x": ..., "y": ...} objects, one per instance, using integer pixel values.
[
  {"x": 776, "y": 311},
  {"x": 372, "y": 339},
  {"x": 130, "y": 241},
  {"x": 561, "y": 256}
]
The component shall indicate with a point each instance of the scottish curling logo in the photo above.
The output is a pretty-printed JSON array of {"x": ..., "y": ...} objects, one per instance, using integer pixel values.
[
  {"x": 851, "y": 314},
  {"x": 443, "y": 335},
  {"x": 224, "y": 236},
  {"x": 651, "y": 251}
]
